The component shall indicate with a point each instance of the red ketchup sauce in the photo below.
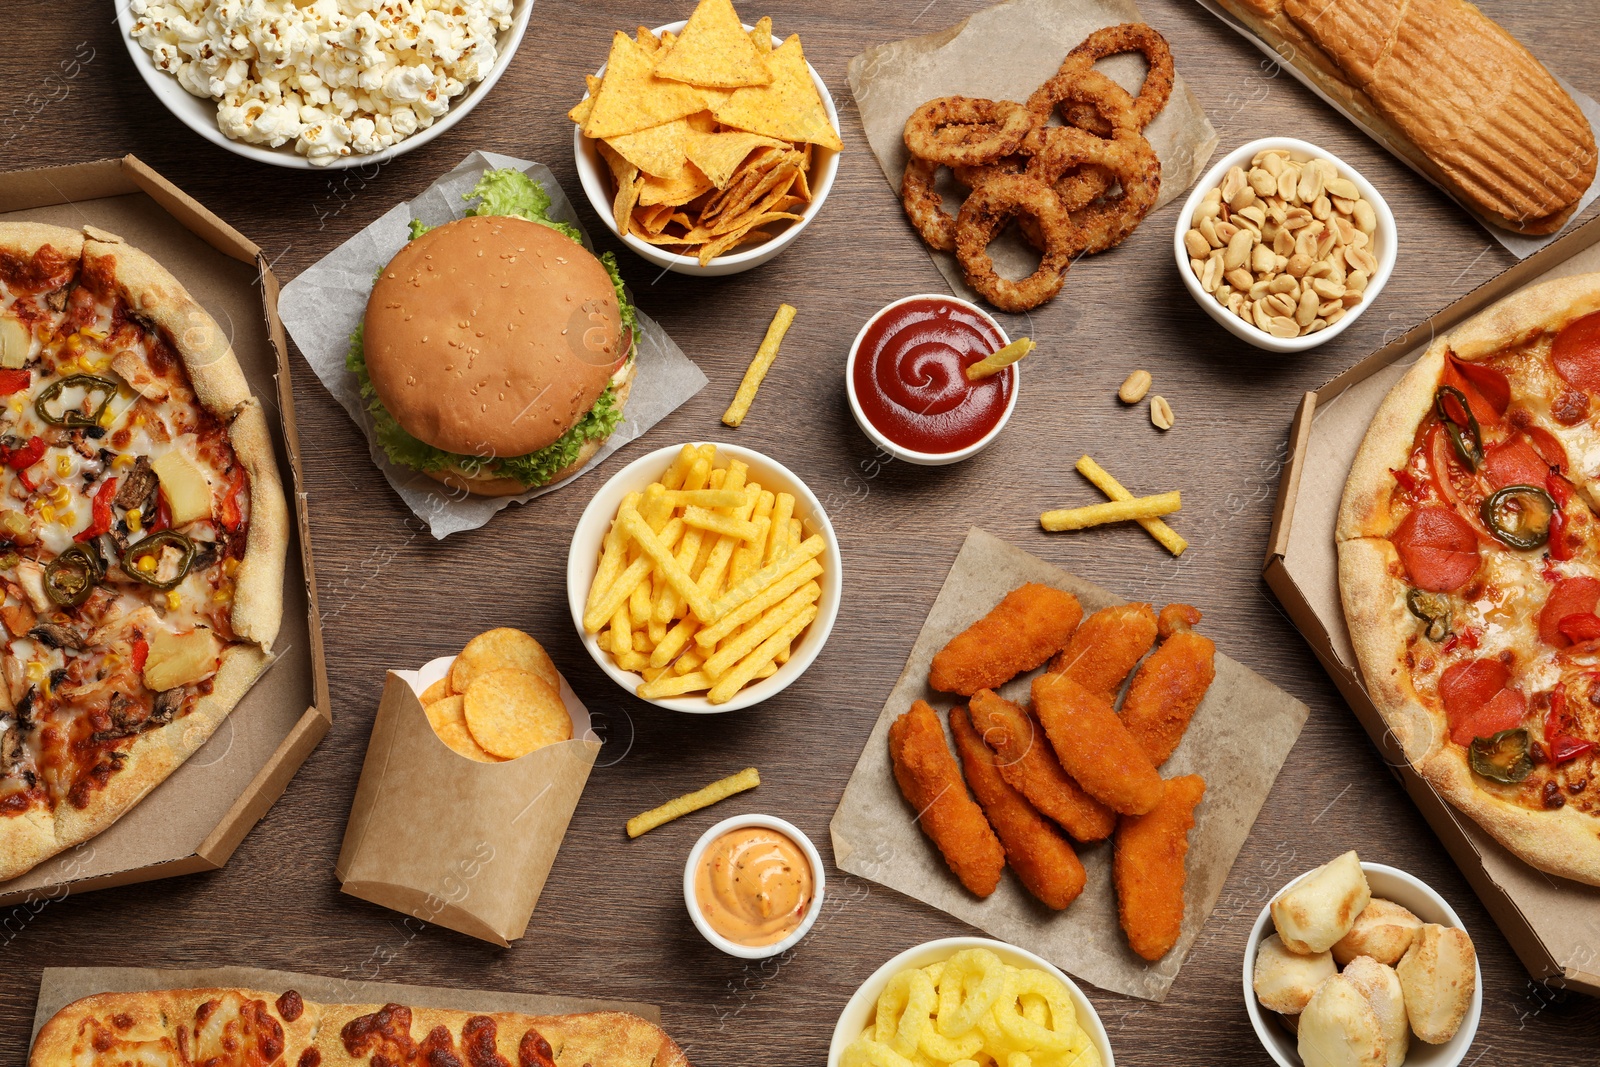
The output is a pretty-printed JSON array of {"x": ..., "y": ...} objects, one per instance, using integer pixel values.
[{"x": 910, "y": 379}]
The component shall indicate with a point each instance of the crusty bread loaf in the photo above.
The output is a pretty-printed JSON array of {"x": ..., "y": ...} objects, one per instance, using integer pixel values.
[{"x": 1450, "y": 91}]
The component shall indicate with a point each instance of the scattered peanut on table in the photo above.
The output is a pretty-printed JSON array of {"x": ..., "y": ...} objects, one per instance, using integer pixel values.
[
  {"x": 1286, "y": 246},
  {"x": 1161, "y": 412},
  {"x": 1135, "y": 387}
]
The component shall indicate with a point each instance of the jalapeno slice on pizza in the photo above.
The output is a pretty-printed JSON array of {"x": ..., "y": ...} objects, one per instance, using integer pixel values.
[{"x": 142, "y": 534}]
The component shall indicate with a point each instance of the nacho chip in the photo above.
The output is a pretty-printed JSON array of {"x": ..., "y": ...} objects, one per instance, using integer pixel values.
[
  {"x": 715, "y": 97},
  {"x": 502, "y": 648},
  {"x": 777, "y": 172},
  {"x": 718, "y": 155},
  {"x": 647, "y": 40},
  {"x": 790, "y": 108},
  {"x": 449, "y": 722},
  {"x": 714, "y": 49},
  {"x": 628, "y": 181},
  {"x": 580, "y": 111},
  {"x": 676, "y": 192},
  {"x": 631, "y": 98},
  {"x": 762, "y": 199},
  {"x": 512, "y": 713},
  {"x": 660, "y": 150},
  {"x": 652, "y": 220},
  {"x": 737, "y": 237},
  {"x": 761, "y": 36}
]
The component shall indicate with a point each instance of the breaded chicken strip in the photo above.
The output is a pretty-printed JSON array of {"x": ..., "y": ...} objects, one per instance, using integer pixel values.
[
  {"x": 1094, "y": 747},
  {"x": 931, "y": 783},
  {"x": 1023, "y": 630},
  {"x": 1147, "y": 866},
  {"x": 1105, "y": 648},
  {"x": 1042, "y": 858},
  {"x": 1170, "y": 684},
  {"x": 1029, "y": 765}
]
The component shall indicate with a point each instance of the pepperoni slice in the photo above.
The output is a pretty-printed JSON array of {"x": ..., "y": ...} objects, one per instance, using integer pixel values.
[
  {"x": 1515, "y": 462},
  {"x": 1481, "y": 383},
  {"x": 1571, "y": 596},
  {"x": 1477, "y": 702},
  {"x": 1576, "y": 353},
  {"x": 1549, "y": 447},
  {"x": 1437, "y": 548}
]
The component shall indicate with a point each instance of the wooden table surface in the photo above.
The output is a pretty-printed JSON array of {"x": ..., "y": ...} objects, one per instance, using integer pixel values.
[{"x": 611, "y": 922}]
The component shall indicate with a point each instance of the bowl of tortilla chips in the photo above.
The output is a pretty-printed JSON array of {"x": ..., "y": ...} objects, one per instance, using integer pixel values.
[{"x": 707, "y": 145}]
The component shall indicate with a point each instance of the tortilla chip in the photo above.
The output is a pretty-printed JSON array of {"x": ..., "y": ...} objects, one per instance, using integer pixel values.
[
  {"x": 790, "y": 108},
  {"x": 628, "y": 182},
  {"x": 632, "y": 99},
  {"x": 678, "y": 191},
  {"x": 760, "y": 199},
  {"x": 647, "y": 40},
  {"x": 580, "y": 110},
  {"x": 714, "y": 49},
  {"x": 653, "y": 219},
  {"x": 755, "y": 171},
  {"x": 730, "y": 240},
  {"x": 718, "y": 155},
  {"x": 761, "y": 36},
  {"x": 660, "y": 149}
]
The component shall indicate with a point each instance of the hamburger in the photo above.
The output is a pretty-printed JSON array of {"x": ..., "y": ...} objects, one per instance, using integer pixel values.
[{"x": 496, "y": 352}]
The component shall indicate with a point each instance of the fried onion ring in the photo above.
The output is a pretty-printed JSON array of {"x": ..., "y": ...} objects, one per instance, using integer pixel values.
[
  {"x": 1104, "y": 223},
  {"x": 925, "y": 207},
  {"x": 1016, "y": 163},
  {"x": 1078, "y": 83},
  {"x": 986, "y": 211},
  {"x": 968, "y": 131},
  {"x": 1114, "y": 40}
]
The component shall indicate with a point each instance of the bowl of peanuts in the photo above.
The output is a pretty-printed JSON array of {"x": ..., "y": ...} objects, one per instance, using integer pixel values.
[{"x": 1284, "y": 244}]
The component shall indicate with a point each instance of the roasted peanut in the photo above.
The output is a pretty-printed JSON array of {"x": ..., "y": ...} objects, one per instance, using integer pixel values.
[
  {"x": 1134, "y": 389},
  {"x": 1161, "y": 412}
]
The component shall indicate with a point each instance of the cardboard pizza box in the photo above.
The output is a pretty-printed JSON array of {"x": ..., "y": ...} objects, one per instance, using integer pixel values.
[
  {"x": 1553, "y": 924},
  {"x": 196, "y": 818}
]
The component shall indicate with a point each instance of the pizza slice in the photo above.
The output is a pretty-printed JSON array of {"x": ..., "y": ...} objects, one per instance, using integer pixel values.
[{"x": 143, "y": 533}]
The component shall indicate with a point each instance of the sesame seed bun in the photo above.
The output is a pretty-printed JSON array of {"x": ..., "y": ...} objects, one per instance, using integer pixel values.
[{"x": 492, "y": 336}]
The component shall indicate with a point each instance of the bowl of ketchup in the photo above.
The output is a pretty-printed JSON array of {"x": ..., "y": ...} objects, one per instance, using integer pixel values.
[{"x": 906, "y": 377}]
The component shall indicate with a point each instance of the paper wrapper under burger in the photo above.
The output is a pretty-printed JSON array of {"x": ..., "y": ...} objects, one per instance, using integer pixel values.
[
  {"x": 1004, "y": 53},
  {"x": 451, "y": 841},
  {"x": 1238, "y": 740}
]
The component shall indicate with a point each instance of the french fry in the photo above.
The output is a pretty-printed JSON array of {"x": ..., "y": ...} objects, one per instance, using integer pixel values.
[
  {"x": 752, "y": 586},
  {"x": 1147, "y": 507},
  {"x": 689, "y": 661},
  {"x": 1170, "y": 539},
  {"x": 704, "y": 519},
  {"x": 621, "y": 632},
  {"x": 670, "y": 606},
  {"x": 747, "y": 555},
  {"x": 676, "y": 577},
  {"x": 706, "y": 498},
  {"x": 996, "y": 362},
  {"x": 677, "y": 637},
  {"x": 656, "y": 631},
  {"x": 633, "y": 661},
  {"x": 673, "y": 685},
  {"x": 739, "y": 676},
  {"x": 599, "y": 615},
  {"x": 613, "y": 559},
  {"x": 678, "y": 807},
  {"x": 680, "y": 467},
  {"x": 770, "y": 622},
  {"x": 797, "y": 531},
  {"x": 782, "y": 512},
  {"x": 652, "y": 673},
  {"x": 759, "y": 366},
  {"x": 639, "y": 600},
  {"x": 711, "y": 576}
]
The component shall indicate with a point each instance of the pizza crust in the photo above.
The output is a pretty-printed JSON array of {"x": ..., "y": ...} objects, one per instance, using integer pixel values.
[
  {"x": 26, "y": 238},
  {"x": 1364, "y": 511},
  {"x": 258, "y": 585}
]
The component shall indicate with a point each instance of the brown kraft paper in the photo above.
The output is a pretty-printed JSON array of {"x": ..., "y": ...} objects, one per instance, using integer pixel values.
[
  {"x": 451, "y": 841},
  {"x": 1238, "y": 740}
]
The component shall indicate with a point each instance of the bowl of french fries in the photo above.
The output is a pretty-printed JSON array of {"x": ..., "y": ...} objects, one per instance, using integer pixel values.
[
  {"x": 723, "y": 193},
  {"x": 987, "y": 1002},
  {"x": 704, "y": 578}
]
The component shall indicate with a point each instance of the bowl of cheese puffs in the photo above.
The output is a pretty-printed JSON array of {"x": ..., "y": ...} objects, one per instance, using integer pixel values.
[{"x": 1360, "y": 963}]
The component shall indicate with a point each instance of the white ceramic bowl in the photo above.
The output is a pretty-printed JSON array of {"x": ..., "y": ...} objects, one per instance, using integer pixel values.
[
  {"x": 200, "y": 115},
  {"x": 596, "y": 179},
  {"x": 691, "y": 901},
  {"x": 583, "y": 558},
  {"x": 1409, "y": 892},
  {"x": 863, "y": 1004},
  {"x": 1384, "y": 245},
  {"x": 928, "y": 459}
]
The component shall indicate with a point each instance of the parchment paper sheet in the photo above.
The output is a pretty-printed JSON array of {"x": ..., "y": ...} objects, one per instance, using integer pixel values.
[
  {"x": 1004, "y": 53},
  {"x": 1520, "y": 245},
  {"x": 1238, "y": 741},
  {"x": 60, "y": 986},
  {"x": 324, "y": 305}
]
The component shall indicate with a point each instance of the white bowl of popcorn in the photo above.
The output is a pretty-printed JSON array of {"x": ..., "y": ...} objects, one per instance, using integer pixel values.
[
  {"x": 1285, "y": 270},
  {"x": 246, "y": 82}
]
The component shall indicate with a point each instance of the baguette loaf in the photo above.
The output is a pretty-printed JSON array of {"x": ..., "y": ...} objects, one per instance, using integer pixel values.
[
  {"x": 249, "y": 1028},
  {"x": 1450, "y": 91}
]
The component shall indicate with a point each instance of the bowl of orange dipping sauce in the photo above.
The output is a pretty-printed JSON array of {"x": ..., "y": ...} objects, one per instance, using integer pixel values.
[
  {"x": 906, "y": 377},
  {"x": 753, "y": 885}
]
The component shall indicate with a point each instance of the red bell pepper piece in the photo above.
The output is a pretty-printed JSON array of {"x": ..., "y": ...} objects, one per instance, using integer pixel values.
[
  {"x": 141, "y": 652},
  {"x": 232, "y": 517},
  {"x": 1561, "y": 746},
  {"x": 100, "y": 518},
  {"x": 1584, "y": 626},
  {"x": 14, "y": 381},
  {"x": 1406, "y": 480}
]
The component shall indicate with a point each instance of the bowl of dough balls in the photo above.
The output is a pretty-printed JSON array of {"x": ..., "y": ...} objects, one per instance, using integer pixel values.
[{"x": 1361, "y": 965}]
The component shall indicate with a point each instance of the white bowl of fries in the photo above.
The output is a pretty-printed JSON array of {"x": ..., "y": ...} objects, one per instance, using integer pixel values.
[
  {"x": 771, "y": 598},
  {"x": 860, "y": 1012},
  {"x": 595, "y": 177}
]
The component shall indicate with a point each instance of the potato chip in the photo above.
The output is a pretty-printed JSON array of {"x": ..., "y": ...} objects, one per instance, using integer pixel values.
[
  {"x": 714, "y": 49},
  {"x": 718, "y": 155},
  {"x": 437, "y": 691},
  {"x": 449, "y": 721},
  {"x": 511, "y": 713},
  {"x": 677, "y": 192},
  {"x": 789, "y": 108},
  {"x": 632, "y": 98},
  {"x": 502, "y": 649},
  {"x": 761, "y": 36},
  {"x": 660, "y": 150}
]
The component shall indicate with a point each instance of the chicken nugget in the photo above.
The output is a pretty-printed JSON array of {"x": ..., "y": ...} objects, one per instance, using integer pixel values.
[
  {"x": 1147, "y": 866},
  {"x": 1023, "y": 630},
  {"x": 1094, "y": 747},
  {"x": 1042, "y": 858},
  {"x": 1029, "y": 765},
  {"x": 1105, "y": 648},
  {"x": 932, "y": 784},
  {"x": 1170, "y": 684}
]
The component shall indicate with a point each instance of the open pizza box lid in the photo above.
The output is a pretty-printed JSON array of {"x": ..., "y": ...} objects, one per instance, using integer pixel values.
[
  {"x": 196, "y": 818},
  {"x": 1553, "y": 924}
]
